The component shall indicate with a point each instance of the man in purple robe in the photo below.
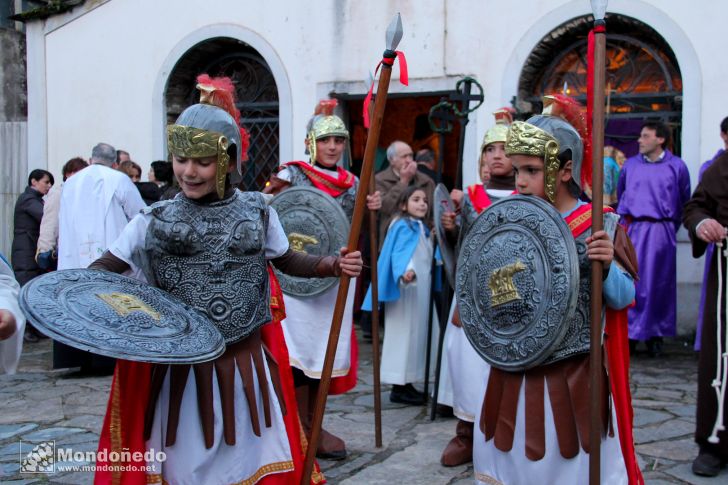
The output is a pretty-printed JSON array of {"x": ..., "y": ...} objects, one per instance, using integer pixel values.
[
  {"x": 709, "y": 249},
  {"x": 652, "y": 189}
]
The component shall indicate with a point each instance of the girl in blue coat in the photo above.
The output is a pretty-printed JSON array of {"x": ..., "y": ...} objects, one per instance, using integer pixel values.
[{"x": 404, "y": 288}]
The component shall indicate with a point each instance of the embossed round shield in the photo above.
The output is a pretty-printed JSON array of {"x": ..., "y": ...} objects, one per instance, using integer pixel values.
[
  {"x": 113, "y": 315},
  {"x": 517, "y": 282},
  {"x": 314, "y": 224},
  {"x": 442, "y": 204}
]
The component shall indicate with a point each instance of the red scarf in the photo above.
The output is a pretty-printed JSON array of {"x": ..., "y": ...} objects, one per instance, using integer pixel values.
[
  {"x": 616, "y": 346},
  {"x": 334, "y": 186},
  {"x": 479, "y": 197}
]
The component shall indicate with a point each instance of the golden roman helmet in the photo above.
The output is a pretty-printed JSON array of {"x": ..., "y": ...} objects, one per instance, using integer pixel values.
[
  {"x": 527, "y": 139},
  {"x": 209, "y": 129},
  {"x": 198, "y": 133},
  {"x": 323, "y": 124},
  {"x": 547, "y": 136},
  {"x": 499, "y": 132}
]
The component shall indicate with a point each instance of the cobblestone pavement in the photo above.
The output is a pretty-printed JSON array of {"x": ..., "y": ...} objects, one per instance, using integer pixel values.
[{"x": 39, "y": 404}]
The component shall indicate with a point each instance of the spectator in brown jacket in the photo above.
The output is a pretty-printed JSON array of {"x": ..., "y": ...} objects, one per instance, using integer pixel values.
[{"x": 394, "y": 180}]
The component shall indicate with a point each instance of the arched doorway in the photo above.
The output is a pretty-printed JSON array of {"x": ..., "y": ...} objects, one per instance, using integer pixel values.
[
  {"x": 643, "y": 76},
  {"x": 257, "y": 98}
]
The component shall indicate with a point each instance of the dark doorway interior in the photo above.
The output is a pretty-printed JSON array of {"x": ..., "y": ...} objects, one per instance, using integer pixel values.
[
  {"x": 257, "y": 98},
  {"x": 406, "y": 119}
]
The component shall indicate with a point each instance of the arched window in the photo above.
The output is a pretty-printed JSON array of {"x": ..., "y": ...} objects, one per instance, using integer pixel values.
[
  {"x": 643, "y": 78},
  {"x": 257, "y": 98}
]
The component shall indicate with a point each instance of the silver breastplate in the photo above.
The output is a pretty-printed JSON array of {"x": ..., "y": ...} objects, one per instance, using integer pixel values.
[
  {"x": 212, "y": 257},
  {"x": 577, "y": 338},
  {"x": 346, "y": 199}
]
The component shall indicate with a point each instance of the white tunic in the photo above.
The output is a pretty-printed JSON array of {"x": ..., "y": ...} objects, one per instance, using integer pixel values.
[
  {"x": 444, "y": 390},
  {"x": 96, "y": 204},
  {"x": 494, "y": 467},
  {"x": 188, "y": 461},
  {"x": 11, "y": 347},
  {"x": 404, "y": 352},
  {"x": 468, "y": 371},
  {"x": 306, "y": 330},
  {"x": 251, "y": 458}
]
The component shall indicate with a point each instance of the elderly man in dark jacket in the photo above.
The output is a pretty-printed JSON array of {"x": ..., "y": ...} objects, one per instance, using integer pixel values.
[{"x": 28, "y": 213}]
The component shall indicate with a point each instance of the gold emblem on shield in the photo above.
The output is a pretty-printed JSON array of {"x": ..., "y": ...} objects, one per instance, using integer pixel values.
[
  {"x": 501, "y": 285},
  {"x": 298, "y": 241},
  {"x": 123, "y": 304}
]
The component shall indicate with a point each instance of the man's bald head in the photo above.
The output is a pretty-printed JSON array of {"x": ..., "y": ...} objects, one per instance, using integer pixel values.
[{"x": 399, "y": 153}]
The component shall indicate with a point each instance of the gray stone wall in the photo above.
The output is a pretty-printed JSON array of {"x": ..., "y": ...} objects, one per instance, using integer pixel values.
[
  {"x": 13, "y": 95},
  {"x": 13, "y": 129},
  {"x": 13, "y": 175}
]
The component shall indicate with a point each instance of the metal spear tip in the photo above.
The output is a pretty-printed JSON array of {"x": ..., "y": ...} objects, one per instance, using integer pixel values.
[
  {"x": 394, "y": 32},
  {"x": 599, "y": 8}
]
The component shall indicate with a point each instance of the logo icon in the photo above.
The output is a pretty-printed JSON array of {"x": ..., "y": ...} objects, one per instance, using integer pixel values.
[{"x": 41, "y": 458}]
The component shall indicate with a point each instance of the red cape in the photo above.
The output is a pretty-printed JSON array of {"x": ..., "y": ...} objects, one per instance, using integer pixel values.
[{"x": 616, "y": 346}]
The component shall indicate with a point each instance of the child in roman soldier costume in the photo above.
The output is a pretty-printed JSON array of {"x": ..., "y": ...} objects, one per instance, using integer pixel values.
[
  {"x": 463, "y": 365},
  {"x": 308, "y": 318},
  {"x": 495, "y": 185},
  {"x": 229, "y": 420},
  {"x": 534, "y": 424}
]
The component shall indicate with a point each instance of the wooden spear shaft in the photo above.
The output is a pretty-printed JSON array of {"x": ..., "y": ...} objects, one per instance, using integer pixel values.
[
  {"x": 595, "y": 352},
  {"x": 374, "y": 251},
  {"x": 356, "y": 220}
]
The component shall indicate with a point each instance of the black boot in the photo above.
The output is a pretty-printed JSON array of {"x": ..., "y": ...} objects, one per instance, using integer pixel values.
[
  {"x": 707, "y": 464},
  {"x": 403, "y": 395}
]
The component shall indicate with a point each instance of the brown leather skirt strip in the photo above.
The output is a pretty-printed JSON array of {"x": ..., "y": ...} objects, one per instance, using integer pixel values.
[
  {"x": 568, "y": 389},
  {"x": 491, "y": 403},
  {"x": 203, "y": 381},
  {"x": 263, "y": 385},
  {"x": 562, "y": 411},
  {"x": 245, "y": 367},
  {"x": 177, "y": 382},
  {"x": 535, "y": 433},
  {"x": 244, "y": 355},
  {"x": 506, "y": 426},
  {"x": 225, "y": 371},
  {"x": 155, "y": 387},
  {"x": 577, "y": 378}
]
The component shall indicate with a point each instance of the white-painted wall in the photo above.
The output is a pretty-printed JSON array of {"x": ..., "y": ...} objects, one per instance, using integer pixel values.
[{"x": 99, "y": 72}]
